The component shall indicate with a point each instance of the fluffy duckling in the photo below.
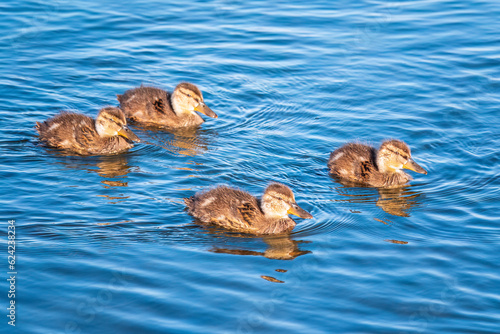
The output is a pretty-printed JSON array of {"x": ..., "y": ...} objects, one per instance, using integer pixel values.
[
  {"x": 239, "y": 211},
  {"x": 78, "y": 133},
  {"x": 154, "y": 106},
  {"x": 364, "y": 164}
]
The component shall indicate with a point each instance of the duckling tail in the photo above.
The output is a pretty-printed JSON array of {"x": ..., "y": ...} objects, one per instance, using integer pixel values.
[
  {"x": 39, "y": 127},
  {"x": 189, "y": 202}
]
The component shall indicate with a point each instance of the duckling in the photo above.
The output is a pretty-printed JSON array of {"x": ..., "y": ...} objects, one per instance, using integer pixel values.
[
  {"x": 237, "y": 210},
  {"x": 364, "y": 164},
  {"x": 78, "y": 133},
  {"x": 154, "y": 106}
]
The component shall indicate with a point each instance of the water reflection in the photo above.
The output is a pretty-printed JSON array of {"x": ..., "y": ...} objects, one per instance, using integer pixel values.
[
  {"x": 398, "y": 201},
  {"x": 394, "y": 201},
  {"x": 271, "y": 279},
  {"x": 278, "y": 248},
  {"x": 113, "y": 170},
  {"x": 222, "y": 241},
  {"x": 186, "y": 141}
]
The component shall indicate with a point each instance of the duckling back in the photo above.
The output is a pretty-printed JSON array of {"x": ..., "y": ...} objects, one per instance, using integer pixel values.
[
  {"x": 220, "y": 206},
  {"x": 236, "y": 210},
  {"x": 67, "y": 131},
  {"x": 146, "y": 105},
  {"x": 77, "y": 133},
  {"x": 354, "y": 162},
  {"x": 153, "y": 106},
  {"x": 357, "y": 163}
]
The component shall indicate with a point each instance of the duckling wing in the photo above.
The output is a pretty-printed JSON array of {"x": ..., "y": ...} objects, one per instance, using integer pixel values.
[
  {"x": 249, "y": 213},
  {"x": 86, "y": 139},
  {"x": 242, "y": 217}
]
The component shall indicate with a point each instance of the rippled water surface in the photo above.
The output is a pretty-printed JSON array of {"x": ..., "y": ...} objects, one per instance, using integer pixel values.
[{"x": 104, "y": 243}]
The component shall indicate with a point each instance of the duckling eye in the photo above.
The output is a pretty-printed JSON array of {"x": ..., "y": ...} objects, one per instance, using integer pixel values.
[
  {"x": 279, "y": 198},
  {"x": 189, "y": 95}
]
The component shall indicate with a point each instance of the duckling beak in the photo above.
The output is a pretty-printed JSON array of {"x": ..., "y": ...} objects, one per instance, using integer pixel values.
[
  {"x": 204, "y": 109},
  {"x": 298, "y": 211},
  {"x": 412, "y": 165},
  {"x": 128, "y": 134}
]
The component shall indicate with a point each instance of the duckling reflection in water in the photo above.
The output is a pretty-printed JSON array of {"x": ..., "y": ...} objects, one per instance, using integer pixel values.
[
  {"x": 239, "y": 211},
  {"x": 398, "y": 201},
  {"x": 80, "y": 134},
  {"x": 365, "y": 165},
  {"x": 189, "y": 141},
  {"x": 279, "y": 248},
  {"x": 154, "y": 106},
  {"x": 114, "y": 170}
]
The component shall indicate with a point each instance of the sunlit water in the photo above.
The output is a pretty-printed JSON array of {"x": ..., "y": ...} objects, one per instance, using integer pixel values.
[{"x": 104, "y": 243}]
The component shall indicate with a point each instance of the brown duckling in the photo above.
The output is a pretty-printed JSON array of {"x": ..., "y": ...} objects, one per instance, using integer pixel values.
[
  {"x": 237, "y": 210},
  {"x": 78, "y": 133},
  {"x": 364, "y": 164},
  {"x": 154, "y": 106}
]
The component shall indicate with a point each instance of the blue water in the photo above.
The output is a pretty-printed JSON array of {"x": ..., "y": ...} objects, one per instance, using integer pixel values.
[{"x": 104, "y": 244}]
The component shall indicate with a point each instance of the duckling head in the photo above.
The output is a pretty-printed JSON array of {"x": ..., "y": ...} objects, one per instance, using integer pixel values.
[
  {"x": 187, "y": 98},
  {"x": 278, "y": 202},
  {"x": 111, "y": 122},
  {"x": 394, "y": 155}
]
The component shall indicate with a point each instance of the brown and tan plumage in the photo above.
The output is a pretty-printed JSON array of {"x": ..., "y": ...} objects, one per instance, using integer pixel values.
[
  {"x": 363, "y": 164},
  {"x": 237, "y": 210},
  {"x": 80, "y": 134},
  {"x": 154, "y": 106}
]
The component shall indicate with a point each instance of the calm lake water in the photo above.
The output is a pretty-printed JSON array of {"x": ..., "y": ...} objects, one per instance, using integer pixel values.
[{"x": 104, "y": 244}]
